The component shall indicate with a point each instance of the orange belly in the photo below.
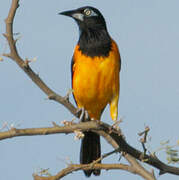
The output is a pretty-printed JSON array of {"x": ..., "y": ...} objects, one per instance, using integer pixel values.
[{"x": 95, "y": 80}]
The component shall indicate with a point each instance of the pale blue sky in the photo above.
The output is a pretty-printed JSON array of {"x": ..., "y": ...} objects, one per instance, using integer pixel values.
[{"x": 147, "y": 33}]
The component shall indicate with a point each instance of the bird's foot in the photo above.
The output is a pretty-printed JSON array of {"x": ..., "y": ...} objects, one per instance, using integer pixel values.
[{"x": 84, "y": 116}]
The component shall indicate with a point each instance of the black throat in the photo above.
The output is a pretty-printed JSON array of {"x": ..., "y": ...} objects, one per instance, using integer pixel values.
[{"x": 95, "y": 42}]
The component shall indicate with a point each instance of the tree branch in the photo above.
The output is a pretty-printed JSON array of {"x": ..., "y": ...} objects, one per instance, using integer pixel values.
[
  {"x": 24, "y": 65},
  {"x": 112, "y": 136},
  {"x": 13, "y": 132},
  {"x": 77, "y": 167}
]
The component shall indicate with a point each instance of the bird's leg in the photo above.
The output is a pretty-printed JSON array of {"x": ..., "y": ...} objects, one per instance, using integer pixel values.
[{"x": 84, "y": 116}]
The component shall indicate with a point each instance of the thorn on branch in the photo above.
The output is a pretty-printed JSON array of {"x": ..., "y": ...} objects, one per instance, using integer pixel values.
[
  {"x": 116, "y": 124},
  {"x": 55, "y": 124},
  {"x": 120, "y": 157},
  {"x": 143, "y": 140},
  {"x": 26, "y": 64},
  {"x": 7, "y": 55},
  {"x": 147, "y": 129},
  {"x": 27, "y": 61},
  {"x": 15, "y": 34},
  {"x": 5, "y": 35},
  {"x": 66, "y": 97},
  {"x": 51, "y": 96},
  {"x": 43, "y": 172},
  {"x": 68, "y": 123},
  {"x": 18, "y": 38}
]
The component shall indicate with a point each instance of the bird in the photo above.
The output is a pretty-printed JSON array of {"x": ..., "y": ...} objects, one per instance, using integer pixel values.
[{"x": 95, "y": 72}]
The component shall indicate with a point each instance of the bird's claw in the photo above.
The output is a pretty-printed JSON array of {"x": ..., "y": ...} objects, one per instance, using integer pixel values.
[{"x": 84, "y": 116}]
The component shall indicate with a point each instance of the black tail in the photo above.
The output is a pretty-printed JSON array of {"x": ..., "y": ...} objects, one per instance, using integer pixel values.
[{"x": 90, "y": 151}]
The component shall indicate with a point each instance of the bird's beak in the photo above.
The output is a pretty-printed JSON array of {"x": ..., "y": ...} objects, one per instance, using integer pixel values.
[
  {"x": 67, "y": 13},
  {"x": 74, "y": 14}
]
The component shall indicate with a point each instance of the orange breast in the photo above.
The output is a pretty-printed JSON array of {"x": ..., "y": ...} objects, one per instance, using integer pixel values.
[{"x": 95, "y": 80}]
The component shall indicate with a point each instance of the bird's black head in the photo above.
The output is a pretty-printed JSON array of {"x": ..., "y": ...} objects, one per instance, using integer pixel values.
[
  {"x": 94, "y": 39},
  {"x": 87, "y": 18}
]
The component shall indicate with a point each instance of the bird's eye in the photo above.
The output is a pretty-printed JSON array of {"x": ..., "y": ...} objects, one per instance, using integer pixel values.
[{"x": 87, "y": 12}]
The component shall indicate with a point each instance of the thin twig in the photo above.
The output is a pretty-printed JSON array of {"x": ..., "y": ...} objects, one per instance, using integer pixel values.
[{"x": 143, "y": 140}]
